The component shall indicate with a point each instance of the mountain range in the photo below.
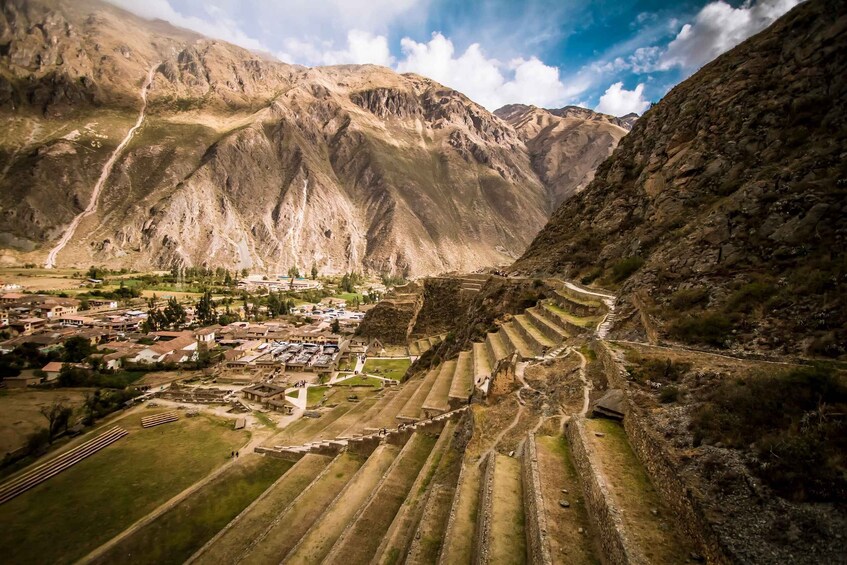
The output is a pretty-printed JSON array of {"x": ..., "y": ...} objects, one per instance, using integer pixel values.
[{"x": 242, "y": 161}]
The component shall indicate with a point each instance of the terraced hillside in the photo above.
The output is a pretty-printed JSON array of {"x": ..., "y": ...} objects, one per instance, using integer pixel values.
[{"x": 488, "y": 456}]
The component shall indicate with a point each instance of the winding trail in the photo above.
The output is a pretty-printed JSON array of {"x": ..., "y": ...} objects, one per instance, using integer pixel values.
[{"x": 104, "y": 175}]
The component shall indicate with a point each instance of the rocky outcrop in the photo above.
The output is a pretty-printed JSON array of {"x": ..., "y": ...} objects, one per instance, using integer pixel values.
[
  {"x": 724, "y": 208},
  {"x": 566, "y": 145}
]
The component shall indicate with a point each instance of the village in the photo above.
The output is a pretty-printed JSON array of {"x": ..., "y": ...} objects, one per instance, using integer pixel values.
[{"x": 258, "y": 360}]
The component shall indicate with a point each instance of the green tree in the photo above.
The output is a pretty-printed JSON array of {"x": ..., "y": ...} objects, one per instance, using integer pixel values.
[
  {"x": 314, "y": 271},
  {"x": 77, "y": 348},
  {"x": 294, "y": 272},
  {"x": 206, "y": 309},
  {"x": 336, "y": 326},
  {"x": 174, "y": 313}
]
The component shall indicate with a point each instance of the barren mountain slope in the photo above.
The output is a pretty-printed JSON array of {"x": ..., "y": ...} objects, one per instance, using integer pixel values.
[
  {"x": 242, "y": 161},
  {"x": 723, "y": 212},
  {"x": 565, "y": 145}
]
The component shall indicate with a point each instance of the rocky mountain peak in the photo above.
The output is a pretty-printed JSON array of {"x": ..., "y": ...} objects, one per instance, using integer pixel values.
[{"x": 721, "y": 213}]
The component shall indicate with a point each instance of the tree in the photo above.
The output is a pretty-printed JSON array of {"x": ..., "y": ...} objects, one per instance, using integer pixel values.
[
  {"x": 58, "y": 416},
  {"x": 174, "y": 313},
  {"x": 294, "y": 272},
  {"x": 336, "y": 326},
  {"x": 206, "y": 309},
  {"x": 77, "y": 348},
  {"x": 93, "y": 272},
  {"x": 314, "y": 271}
]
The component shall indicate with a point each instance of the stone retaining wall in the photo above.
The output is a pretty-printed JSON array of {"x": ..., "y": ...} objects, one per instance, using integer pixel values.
[
  {"x": 604, "y": 515},
  {"x": 482, "y": 542},
  {"x": 538, "y": 549},
  {"x": 567, "y": 298},
  {"x": 660, "y": 465},
  {"x": 280, "y": 454},
  {"x": 444, "y": 557}
]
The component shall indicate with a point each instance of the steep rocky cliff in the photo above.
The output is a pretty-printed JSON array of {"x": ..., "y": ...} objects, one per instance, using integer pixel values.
[
  {"x": 244, "y": 161},
  {"x": 722, "y": 215},
  {"x": 565, "y": 145}
]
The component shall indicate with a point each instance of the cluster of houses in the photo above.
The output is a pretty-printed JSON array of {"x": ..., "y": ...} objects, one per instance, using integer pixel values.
[
  {"x": 277, "y": 283},
  {"x": 26, "y": 314},
  {"x": 250, "y": 350}
]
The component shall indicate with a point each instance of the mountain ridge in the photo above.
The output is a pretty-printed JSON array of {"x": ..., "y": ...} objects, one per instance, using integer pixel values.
[
  {"x": 721, "y": 215},
  {"x": 244, "y": 161}
]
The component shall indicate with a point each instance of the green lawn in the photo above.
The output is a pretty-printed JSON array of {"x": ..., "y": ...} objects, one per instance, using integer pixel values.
[
  {"x": 314, "y": 395},
  {"x": 264, "y": 420},
  {"x": 349, "y": 297},
  {"x": 360, "y": 381},
  {"x": 182, "y": 530},
  {"x": 74, "y": 512},
  {"x": 387, "y": 368}
]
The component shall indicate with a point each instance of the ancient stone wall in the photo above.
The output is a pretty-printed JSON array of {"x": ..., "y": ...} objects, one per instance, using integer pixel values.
[
  {"x": 443, "y": 302},
  {"x": 503, "y": 381},
  {"x": 392, "y": 319},
  {"x": 482, "y": 535},
  {"x": 604, "y": 516},
  {"x": 280, "y": 454},
  {"x": 538, "y": 548},
  {"x": 567, "y": 299},
  {"x": 661, "y": 466}
]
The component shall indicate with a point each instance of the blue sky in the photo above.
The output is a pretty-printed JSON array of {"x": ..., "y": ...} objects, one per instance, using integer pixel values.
[{"x": 615, "y": 56}]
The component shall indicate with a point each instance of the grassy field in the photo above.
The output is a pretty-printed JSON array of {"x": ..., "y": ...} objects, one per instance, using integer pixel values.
[
  {"x": 314, "y": 394},
  {"x": 38, "y": 280},
  {"x": 315, "y": 545},
  {"x": 349, "y": 297},
  {"x": 283, "y": 535},
  {"x": 183, "y": 529},
  {"x": 20, "y": 416},
  {"x": 387, "y": 368},
  {"x": 631, "y": 488},
  {"x": 360, "y": 381},
  {"x": 229, "y": 546},
  {"x": 76, "y": 511},
  {"x": 508, "y": 540},
  {"x": 558, "y": 473}
]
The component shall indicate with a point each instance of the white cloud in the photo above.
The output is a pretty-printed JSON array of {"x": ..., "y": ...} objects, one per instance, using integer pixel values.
[
  {"x": 488, "y": 81},
  {"x": 618, "y": 101},
  {"x": 362, "y": 48},
  {"x": 719, "y": 27},
  {"x": 218, "y": 25}
]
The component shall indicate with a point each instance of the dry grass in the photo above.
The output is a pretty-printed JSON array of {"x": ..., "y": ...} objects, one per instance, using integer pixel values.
[
  {"x": 319, "y": 540},
  {"x": 20, "y": 416},
  {"x": 654, "y": 534},
  {"x": 557, "y": 473},
  {"x": 508, "y": 540}
]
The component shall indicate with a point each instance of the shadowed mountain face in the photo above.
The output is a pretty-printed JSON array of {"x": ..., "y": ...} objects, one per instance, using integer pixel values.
[
  {"x": 566, "y": 145},
  {"x": 722, "y": 214},
  {"x": 243, "y": 161}
]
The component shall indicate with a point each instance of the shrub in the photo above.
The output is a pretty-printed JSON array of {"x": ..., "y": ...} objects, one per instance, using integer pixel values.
[
  {"x": 591, "y": 275},
  {"x": 660, "y": 370},
  {"x": 791, "y": 422},
  {"x": 625, "y": 267},
  {"x": 709, "y": 329},
  {"x": 668, "y": 394},
  {"x": 687, "y": 298},
  {"x": 746, "y": 298}
]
